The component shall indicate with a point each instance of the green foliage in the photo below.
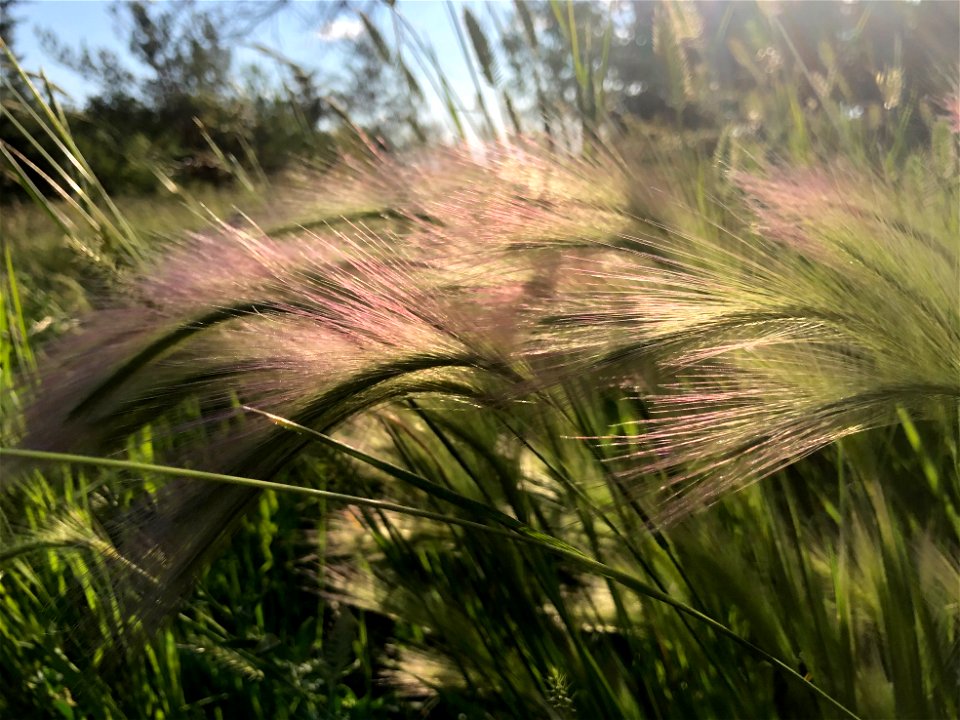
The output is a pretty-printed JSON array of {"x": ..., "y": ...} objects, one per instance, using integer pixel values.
[
  {"x": 192, "y": 125},
  {"x": 482, "y": 437}
]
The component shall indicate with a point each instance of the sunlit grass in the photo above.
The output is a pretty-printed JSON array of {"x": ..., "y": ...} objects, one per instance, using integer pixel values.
[{"x": 634, "y": 430}]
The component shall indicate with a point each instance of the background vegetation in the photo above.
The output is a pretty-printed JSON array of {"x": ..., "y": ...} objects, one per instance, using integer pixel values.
[{"x": 716, "y": 244}]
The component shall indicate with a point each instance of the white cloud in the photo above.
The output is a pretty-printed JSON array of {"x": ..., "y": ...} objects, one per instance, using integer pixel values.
[{"x": 341, "y": 29}]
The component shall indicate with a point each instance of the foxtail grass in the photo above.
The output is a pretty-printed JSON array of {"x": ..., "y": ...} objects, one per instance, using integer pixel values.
[{"x": 631, "y": 373}]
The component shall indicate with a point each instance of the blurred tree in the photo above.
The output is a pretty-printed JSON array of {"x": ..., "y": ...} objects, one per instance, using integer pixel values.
[
  {"x": 375, "y": 94},
  {"x": 13, "y": 89},
  {"x": 708, "y": 64},
  {"x": 8, "y": 27},
  {"x": 192, "y": 121},
  {"x": 375, "y": 87},
  {"x": 183, "y": 47}
]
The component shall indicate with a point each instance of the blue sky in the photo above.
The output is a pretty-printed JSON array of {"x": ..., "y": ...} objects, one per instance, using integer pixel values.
[{"x": 311, "y": 44}]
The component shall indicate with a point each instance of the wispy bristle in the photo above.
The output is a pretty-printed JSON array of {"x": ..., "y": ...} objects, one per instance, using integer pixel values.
[
  {"x": 819, "y": 322},
  {"x": 503, "y": 275}
]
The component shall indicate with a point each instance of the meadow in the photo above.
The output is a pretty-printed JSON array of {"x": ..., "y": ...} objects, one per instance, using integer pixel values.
[{"x": 607, "y": 416}]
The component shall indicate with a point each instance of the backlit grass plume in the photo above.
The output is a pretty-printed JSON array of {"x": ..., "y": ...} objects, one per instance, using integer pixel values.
[
  {"x": 833, "y": 309},
  {"x": 562, "y": 344},
  {"x": 316, "y": 326},
  {"x": 829, "y": 306}
]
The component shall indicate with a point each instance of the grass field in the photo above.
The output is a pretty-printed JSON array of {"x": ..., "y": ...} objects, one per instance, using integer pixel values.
[{"x": 652, "y": 427}]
